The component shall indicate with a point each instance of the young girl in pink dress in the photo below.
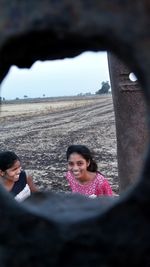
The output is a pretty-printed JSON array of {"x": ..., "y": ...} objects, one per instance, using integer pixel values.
[{"x": 83, "y": 176}]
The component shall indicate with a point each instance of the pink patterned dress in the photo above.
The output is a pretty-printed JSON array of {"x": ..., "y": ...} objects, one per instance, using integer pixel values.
[{"x": 97, "y": 187}]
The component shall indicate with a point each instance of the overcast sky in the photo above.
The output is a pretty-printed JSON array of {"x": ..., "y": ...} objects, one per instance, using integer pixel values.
[{"x": 81, "y": 74}]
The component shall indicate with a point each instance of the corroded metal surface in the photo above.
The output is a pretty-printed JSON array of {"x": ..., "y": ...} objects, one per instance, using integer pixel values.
[
  {"x": 131, "y": 124},
  {"x": 68, "y": 230}
]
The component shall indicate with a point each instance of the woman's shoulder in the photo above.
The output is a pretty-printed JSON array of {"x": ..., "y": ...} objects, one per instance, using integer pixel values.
[
  {"x": 100, "y": 178},
  {"x": 23, "y": 175},
  {"x": 103, "y": 185},
  {"x": 68, "y": 175},
  {"x": 99, "y": 175}
]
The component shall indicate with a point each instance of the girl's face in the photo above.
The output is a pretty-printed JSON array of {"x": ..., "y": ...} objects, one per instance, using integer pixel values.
[
  {"x": 13, "y": 172},
  {"x": 78, "y": 166}
]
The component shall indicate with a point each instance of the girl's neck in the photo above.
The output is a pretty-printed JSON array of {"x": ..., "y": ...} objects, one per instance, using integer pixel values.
[
  {"x": 90, "y": 176},
  {"x": 8, "y": 184}
]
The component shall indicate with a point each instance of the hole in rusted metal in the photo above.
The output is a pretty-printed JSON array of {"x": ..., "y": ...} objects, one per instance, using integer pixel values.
[{"x": 44, "y": 126}]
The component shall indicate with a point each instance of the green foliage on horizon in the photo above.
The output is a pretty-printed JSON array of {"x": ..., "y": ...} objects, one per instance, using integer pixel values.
[{"x": 105, "y": 86}]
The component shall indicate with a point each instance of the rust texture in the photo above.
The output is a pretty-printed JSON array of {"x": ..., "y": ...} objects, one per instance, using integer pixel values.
[
  {"x": 69, "y": 230},
  {"x": 131, "y": 123}
]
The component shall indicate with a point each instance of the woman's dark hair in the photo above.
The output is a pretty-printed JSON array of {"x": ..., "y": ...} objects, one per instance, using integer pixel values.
[
  {"x": 85, "y": 153},
  {"x": 7, "y": 159}
]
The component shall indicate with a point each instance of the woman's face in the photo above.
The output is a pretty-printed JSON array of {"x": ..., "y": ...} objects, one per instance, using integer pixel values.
[
  {"x": 13, "y": 172},
  {"x": 78, "y": 166}
]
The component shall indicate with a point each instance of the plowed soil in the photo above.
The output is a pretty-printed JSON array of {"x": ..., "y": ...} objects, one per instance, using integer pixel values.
[{"x": 40, "y": 132}]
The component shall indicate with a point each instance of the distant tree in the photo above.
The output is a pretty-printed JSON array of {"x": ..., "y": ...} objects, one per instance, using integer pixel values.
[
  {"x": 17, "y": 98},
  {"x": 104, "y": 88},
  {"x": 88, "y": 94},
  {"x": 43, "y": 95},
  {"x": 25, "y": 96},
  {"x": 2, "y": 99}
]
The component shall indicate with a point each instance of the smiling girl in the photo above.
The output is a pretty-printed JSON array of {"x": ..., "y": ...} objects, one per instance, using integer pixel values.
[
  {"x": 13, "y": 178},
  {"x": 82, "y": 175}
]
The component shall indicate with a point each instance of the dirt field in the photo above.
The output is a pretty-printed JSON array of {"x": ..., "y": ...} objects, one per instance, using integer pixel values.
[{"x": 41, "y": 132}]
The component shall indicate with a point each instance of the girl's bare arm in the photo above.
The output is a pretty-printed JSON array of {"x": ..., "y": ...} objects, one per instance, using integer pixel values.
[{"x": 31, "y": 184}]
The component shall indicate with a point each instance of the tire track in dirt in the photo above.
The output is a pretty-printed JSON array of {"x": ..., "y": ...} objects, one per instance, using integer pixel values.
[{"x": 41, "y": 141}]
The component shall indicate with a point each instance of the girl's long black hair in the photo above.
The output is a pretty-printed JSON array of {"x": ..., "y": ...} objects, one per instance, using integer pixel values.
[{"x": 7, "y": 159}]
